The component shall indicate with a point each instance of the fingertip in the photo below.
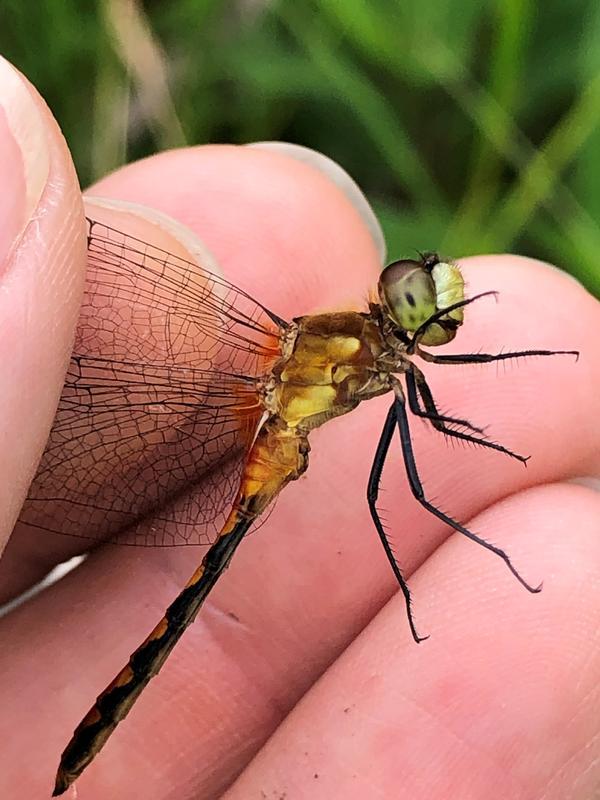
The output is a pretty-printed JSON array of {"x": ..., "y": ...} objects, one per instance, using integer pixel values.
[
  {"x": 151, "y": 227},
  {"x": 337, "y": 175},
  {"x": 43, "y": 241},
  {"x": 488, "y": 682},
  {"x": 535, "y": 285},
  {"x": 278, "y": 227}
]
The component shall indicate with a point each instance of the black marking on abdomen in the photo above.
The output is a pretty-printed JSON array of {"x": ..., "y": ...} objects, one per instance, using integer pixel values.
[{"x": 115, "y": 702}]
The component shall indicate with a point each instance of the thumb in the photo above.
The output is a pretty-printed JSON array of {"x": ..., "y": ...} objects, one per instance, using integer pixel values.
[{"x": 42, "y": 267}]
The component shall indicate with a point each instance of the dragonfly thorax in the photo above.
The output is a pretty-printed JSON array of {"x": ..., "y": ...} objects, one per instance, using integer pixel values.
[{"x": 330, "y": 364}]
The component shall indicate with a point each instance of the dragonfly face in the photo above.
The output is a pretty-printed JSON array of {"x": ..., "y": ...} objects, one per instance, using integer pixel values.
[
  {"x": 193, "y": 384},
  {"x": 411, "y": 292}
]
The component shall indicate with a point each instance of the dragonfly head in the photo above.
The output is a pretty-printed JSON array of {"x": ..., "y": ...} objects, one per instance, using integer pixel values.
[{"x": 412, "y": 291}]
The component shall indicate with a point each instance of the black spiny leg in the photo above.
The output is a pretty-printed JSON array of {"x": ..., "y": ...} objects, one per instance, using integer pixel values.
[
  {"x": 418, "y": 388},
  {"x": 417, "y": 335},
  {"x": 416, "y": 384},
  {"x": 419, "y": 494},
  {"x": 486, "y": 358},
  {"x": 372, "y": 495}
]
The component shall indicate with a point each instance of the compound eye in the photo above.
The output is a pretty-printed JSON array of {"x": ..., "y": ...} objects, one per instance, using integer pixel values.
[
  {"x": 407, "y": 292},
  {"x": 411, "y": 292}
]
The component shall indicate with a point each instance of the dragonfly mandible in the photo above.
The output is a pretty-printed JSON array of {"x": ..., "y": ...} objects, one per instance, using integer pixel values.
[{"x": 200, "y": 386}]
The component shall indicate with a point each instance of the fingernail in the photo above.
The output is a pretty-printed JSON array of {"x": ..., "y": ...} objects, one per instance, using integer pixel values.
[
  {"x": 589, "y": 481},
  {"x": 168, "y": 233},
  {"x": 337, "y": 175},
  {"x": 24, "y": 159}
]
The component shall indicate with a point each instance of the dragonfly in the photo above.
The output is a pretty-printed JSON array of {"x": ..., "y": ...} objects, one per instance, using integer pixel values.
[{"x": 205, "y": 400}]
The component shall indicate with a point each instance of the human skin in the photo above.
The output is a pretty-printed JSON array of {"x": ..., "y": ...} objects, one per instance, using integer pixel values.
[{"x": 304, "y": 641}]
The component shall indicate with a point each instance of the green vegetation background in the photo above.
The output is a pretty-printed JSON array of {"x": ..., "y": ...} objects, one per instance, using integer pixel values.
[{"x": 472, "y": 126}]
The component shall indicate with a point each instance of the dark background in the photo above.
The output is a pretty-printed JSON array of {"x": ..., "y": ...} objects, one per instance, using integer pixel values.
[{"x": 472, "y": 126}]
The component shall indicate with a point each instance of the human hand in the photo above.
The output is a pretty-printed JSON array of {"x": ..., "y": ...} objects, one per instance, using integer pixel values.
[{"x": 500, "y": 701}]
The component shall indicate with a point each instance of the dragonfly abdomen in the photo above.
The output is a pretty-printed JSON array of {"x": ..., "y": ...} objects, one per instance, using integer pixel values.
[
  {"x": 119, "y": 696},
  {"x": 278, "y": 456}
]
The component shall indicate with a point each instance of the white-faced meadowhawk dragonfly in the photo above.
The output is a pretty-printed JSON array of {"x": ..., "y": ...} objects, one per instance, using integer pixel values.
[{"x": 205, "y": 400}]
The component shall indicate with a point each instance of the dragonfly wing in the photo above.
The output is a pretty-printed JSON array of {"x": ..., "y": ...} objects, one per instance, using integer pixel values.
[
  {"x": 145, "y": 305},
  {"x": 161, "y": 396},
  {"x": 143, "y": 455}
]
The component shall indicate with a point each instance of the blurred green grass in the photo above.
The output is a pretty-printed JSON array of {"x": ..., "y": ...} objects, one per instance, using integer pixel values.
[{"x": 472, "y": 127}]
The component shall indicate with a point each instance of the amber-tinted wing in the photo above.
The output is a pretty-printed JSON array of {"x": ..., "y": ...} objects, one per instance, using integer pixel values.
[{"x": 160, "y": 403}]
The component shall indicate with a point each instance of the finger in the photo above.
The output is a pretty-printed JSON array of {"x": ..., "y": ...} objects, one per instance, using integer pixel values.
[
  {"x": 288, "y": 605},
  {"x": 361, "y": 252},
  {"x": 277, "y": 226},
  {"x": 269, "y": 241},
  {"x": 343, "y": 283},
  {"x": 538, "y": 307},
  {"x": 319, "y": 525},
  {"x": 502, "y": 701},
  {"x": 42, "y": 263}
]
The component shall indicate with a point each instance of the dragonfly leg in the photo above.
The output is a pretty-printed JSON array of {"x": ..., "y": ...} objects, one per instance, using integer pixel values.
[
  {"x": 419, "y": 493},
  {"x": 421, "y": 330},
  {"x": 486, "y": 358},
  {"x": 372, "y": 495},
  {"x": 418, "y": 388},
  {"x": 417, "y": 385}
]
